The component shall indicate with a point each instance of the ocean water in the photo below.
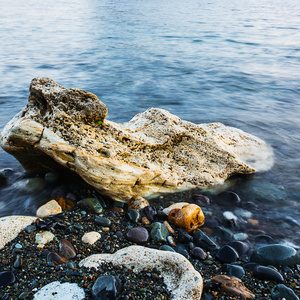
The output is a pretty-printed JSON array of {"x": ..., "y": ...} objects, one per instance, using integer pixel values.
[{"x": 235, "y": 62}]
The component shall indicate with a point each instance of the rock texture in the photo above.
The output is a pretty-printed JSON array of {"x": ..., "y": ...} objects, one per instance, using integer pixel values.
[
  {"x": 154, "y": 152},
  {"x": 179, "y": 275}
]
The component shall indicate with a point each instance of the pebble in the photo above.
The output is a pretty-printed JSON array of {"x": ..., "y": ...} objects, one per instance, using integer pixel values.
[
  {"x": 133, "y": 215},
  {"x": 166, "y": 248},
  {"x": 243, "y": 213},
  {"x": 201, "y": 200},
  {"x": 230, "y": 218},
  {"x": 48, "y": 209},
  {"x": 169, "y": 227},
  {"x": 180, "y": 248},
  {"x": 138, "y": 235},
  {"x": 241, "y": 236},
  {"x": 107, "y": 288},
  {"x": 18, "y": 262},
  {"x": 91, "y": 237},
  {"x": 30, "y": 228},
  {"x": 171, "y": 241},
  {"x": 227, "y": 254},
  {"x": 198, "y": 253},
  {"x": 145, "y": 221},
  {"x": 267, "y": 273},
  {"x": 280, "y": 291},
  {"x": 103, "y": 221},
  {"x": 149, "y": 212},
  {"x": 159, "y": 232},
  {"x": 42, "y": 238},
  {"x": 223, "y": 233},
  {"x": 7, "y": 278},
  {"x": 234, "y": 270},
  {"x": 178, "y": 205},
  {"x": 205, "y": 242},
  {"x": 228, "y": 199},
  {"x": 137, "y": 203},
  {"x": 53, "y": 256},
  {"x": 184, "y": 237},
  {"x": 91, "y": 205},
  {"x": 66, "y": 249},
  {"x": 60, "y": 291},
  {"x": 241, "y": 247},
  {"x": 275, "y": 254}
]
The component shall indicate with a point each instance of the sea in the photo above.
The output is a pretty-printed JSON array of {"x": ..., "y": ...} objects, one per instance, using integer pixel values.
[{"x": 236, "y": 62}]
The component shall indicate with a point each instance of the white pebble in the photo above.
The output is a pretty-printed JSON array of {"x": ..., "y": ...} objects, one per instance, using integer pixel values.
[
  {"x": 91, "y": 237},
  {"x": 228, "y": 215},
  {"x": 43, "y": 238},
  {"x": 243, "y": 213},
  {"x": 48, "y": 209},
  {"x": 60, "y": 291}
]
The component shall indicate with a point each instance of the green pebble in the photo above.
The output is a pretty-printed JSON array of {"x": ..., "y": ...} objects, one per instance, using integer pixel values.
[
  {"x": 159, "y": 232},
  {"x": 91, "y": 205}
]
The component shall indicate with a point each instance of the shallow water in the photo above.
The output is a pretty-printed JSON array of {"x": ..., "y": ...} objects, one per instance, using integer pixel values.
[{"x": 235, "y": 62}]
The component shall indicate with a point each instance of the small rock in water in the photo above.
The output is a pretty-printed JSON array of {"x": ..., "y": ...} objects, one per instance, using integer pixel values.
[
  {"x": 201, "y": 200},
  {"x": 7, "y": 278},
  {"x": 159, "y": 232},
  {"x": 3, "y": 179},
  {"x": 103, "y": 221},
  {"x": 205, "y": 242},
  {"x": 266, "y": 273},
  {"x": 280, "y": 291},
  {"x": 227, "y": 254},
  {"x": 91, "y": 237},
  {"x": 66, "y": 249},
  {"x": 184, "y": 237},
  {"x": 91, "y": 205},
  {"x": 241, "y": 236},
  {"x": 228, "y": 199},
  {"x": 198, "y": 253},
  {"x": 52, "y": 177},
  {"x": 223, "y": 233},
  {"x": 233, "y": 285},
  {"x": 235, "y": 271},
  {"x": 230, "y": 218},
  {"x": 48, "y": 209},
  {"x": 18, "y": 262},
  {"x": 180, "y": 248},
  {"x": 243, "y": 213},
  {"x": 138, "y": 235},
  {"x": 241, "y": 247},
  {"x": 137, "y": 203},
  {"x": 189, "y": 217},
  {"x": 60, "y": 291},
  {"x": 275, "y": 255},
  {"x": 107, "y": 288},
  {"x": 43, "y": 238}
]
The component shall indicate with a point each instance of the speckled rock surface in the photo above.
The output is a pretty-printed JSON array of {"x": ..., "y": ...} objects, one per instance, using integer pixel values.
[
  {"x": 154, "y": 152},
  {"x": 11, "y": 226},
  {"x": 179, "y": 275}
]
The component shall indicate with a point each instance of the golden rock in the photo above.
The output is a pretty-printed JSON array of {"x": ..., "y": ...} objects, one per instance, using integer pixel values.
[{"x": 189, "y": 217}]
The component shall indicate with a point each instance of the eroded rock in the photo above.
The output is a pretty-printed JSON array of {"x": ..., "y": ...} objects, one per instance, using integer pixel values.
[
  {"x": 154, "y": 152},
  {"x": 177, "y": 272}
]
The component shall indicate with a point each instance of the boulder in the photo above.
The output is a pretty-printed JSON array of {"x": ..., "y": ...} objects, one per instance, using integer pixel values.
[
  {"x": 178, "y": 274},
  {"x": 155, "y": 152}
]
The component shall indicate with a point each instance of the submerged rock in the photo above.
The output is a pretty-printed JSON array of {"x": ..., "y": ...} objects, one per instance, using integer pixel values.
[{"x": 154, "y": 152}]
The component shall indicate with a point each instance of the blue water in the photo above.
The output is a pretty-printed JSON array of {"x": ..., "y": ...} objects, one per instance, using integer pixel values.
[{"x": 235, "y": 62}]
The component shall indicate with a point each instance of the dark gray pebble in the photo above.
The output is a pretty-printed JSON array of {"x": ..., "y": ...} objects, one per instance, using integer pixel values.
[
  {"x": 107, "y": 288},
  {"x": 263, "y": 239},
  {"x": 234, "y": 270},
  {"x": 275, "y": 255},
  {"x": 133, "y": 215},
  {"x": 281, "y": 291},
  {"x": 205, "y": 242},
  {"x": 223, "y": 233},
  {"x": 267, "y": 273},
  {"x": 66, "y": 249},
  {"x": 228, "y": 199},
  {"x": 138, "y": 235},
  {"x": 166, "y": 248},
  {"x": 241, "y": 247},
  {"x": 227, "y": 254},
  {"x": 161, "y": 216},
  {"x": 18, "y": 262},
  {"x": 180, "y": 248},
  {"x": 30, "y": 228},
  {"x": 198, "y": 253},
  {"x": 184, "y": 237},
  {"x": 200, "y": 200},
  {"x": 7, "y": 278},
  {"x": 91, "y": 205},
  {"x": 103, "y": 221},
  {"x": 149, "y": 212},
  {"x": 250, "y": 266}
]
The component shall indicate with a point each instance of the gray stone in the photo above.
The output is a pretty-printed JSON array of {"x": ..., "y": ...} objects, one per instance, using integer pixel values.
[
  {"x": 281, "y": 291},
  {"x": 267, "y": 273},
  {"x": 275, "y": 255},
  {"x": 138, "y": 235},
  {"x": 227, "y": 254},
  {"x": 234, "y": 270},
  {"x": 103, "y": 221},
  {"x": 159, "y": 232},
  {"x": 107, "y": 288},
  {"x": 205, "y": 242},
  {"x": 91, "y": 205}
]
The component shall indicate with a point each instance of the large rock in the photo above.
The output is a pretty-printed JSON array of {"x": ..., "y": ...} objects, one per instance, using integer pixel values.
[
  {"x": 178, "y": 274},
  {"x": 154, "y": 152}
]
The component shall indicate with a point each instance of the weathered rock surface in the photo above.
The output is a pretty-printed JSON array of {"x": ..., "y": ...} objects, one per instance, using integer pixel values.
[
  {"x": 178, "y": 274},
  {"x": 154, "y": 152}
]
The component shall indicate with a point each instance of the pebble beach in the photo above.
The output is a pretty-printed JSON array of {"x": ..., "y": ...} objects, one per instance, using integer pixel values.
[{"x": 233, "y": 243}]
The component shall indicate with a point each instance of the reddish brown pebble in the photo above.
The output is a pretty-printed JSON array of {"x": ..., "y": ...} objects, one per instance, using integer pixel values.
[{"x": 66, "y": 249}]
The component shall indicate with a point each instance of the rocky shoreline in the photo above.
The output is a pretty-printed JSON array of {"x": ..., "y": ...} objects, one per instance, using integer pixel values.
[{"x": 237, "y": 254}]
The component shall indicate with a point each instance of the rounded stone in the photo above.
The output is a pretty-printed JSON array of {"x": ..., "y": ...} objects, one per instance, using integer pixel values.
[
  {"x": 275, "y": 255},
  {"x": 149, "y": 212},
  {"x": 180, "y": 248},
  {"x": 103, "y": 221},
  {"x": 236, "y": 271},
  {"x": 241, "y": 247},
  {"x": 266, "y": 273},
  {"x": 43, "y": 238},
  {"x": 159, "y": 232},
  {"x": 205, "y": 242},
  {"x": 133, "y": 215},
  {"x": 48, "y": 209},
  {"x": 228, "y": 198},
  {"x": 223, "y": 233},
  {"x": 7, "y": 278},
  {"x": 201, "y": 200},
  {"x": 106, "y": 288},
  {"x": 227, "y": 254},
  {"x": 53, "y": 256},
  {"x": 198, "y": 253},
  {"x": 91, "y": 237},
  {"x": 184, "y": 237},
  {"x": 280, "y": 291},
  {"x": 138, "y": 235},
  {"x": 91, "y": 205},
  {"x": 241, "y": 236},
  {"x": 166, "y": 248},
  {"x": 66, "y": 249}
]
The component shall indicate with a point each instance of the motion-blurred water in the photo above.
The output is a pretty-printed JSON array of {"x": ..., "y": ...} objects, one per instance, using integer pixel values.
[{"x": 235, "y": 62}]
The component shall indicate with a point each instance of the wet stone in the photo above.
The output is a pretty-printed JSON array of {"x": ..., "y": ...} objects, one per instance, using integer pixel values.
[
  {"x": 166, "y": 248},
  {"x": 103, "y": 221},
  {"x": 228, "y": 199},
  {"x": 66, "y": 249},
  {"x": 54, "y": 257},
  {"x": 263, "y": 239},
  {"x": 275, "y": 255},
  {"x": 171, "y": 241},
  {"x": 267, "y": 273},
  {"x": 107, "y": 288},
  {"x": 161, "y": 216},
  {"x": 198, "y": 253},
  {"x": 133, "y": 215},
  {"x": 159, "y": 232},
  {"x": 201, "y": 200},
  {"x": 101, "y": 200},
  {"x": 234, "y": 270},
  {"x": 227, "y": 254},
  {"x": 7, "y": 278},
  {"x": 224, "y": 233},
  {"x": 149, "y": 212},
  {"x": 18, "y": 262},
  {"x": 138, "y": 235},
  {"x": 203, "y": 241},
  {"x": 241, "y": 236},
  {"x": 30, "y": 228},
  {"x": 184, "y": 237},
  {"x": 241, "y": 247},
  {"x": 52, "y": 177},
  {"x": 180, "y": 248},
  {"x": 281, "y": 291},
  {"x": 91, "y": 205}
]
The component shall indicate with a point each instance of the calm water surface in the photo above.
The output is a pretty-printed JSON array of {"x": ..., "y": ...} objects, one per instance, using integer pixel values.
[{"x": 235, "y": 62}]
